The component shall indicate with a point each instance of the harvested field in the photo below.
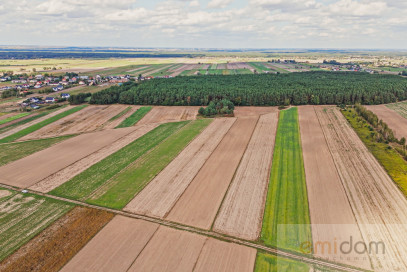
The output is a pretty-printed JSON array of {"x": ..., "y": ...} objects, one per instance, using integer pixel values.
[
  {"x": 201, "y": 200},
  {"x": 286, "y": 222},
  {"x": 163, "y": 191},
  {"x": 392, "y": 118},
  {"x": 51, "y": 160},
  {"x": 53, "y": 181},
  {"x": 222, "y": 256},
  {"x": 36, "y": 121},
  {"x": 121, "y": 188},
  {"x": 379, "y": 206},
  {"x": 115, "y": 247},
  {"x": 253, "y": 111},
  {"x": 24, "y": 216},
  {"x": 57, "y": 244},
  {"x": 134, "y": 117},
  {"x": 170, "y": 250},
  {"x": 89, "y": 119},
  {"x": 116, "y": 120},
  {"x": 162, "y": 114},
  {"x": 242, "y": 210},
  {"x": 331, "y": 215},
  {"x": 82, "y": 185}
]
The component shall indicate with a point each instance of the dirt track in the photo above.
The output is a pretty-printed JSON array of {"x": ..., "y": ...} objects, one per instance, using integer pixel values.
[
  {"x": 162, "y": 192},
  {"x": 162, "y": 114},
  {"x": 241, "y": 213},
  {"x": 331, "y": 214},
  {"x": 62, "y": 176},
  {"x": 379, "y": 206},
  {"x": 36, "y": 121},
  {"x": 88, "y": 119},
  {"x": 200, "y": 202},
  {"x": 394, "y": 120},
  {"x": 115, "y": 247},
  {"x": 46, "y": 162}
]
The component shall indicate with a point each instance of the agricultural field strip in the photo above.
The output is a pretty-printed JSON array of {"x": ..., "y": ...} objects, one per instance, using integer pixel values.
[
  {"x": 158, "y": 69},
  {"x": 54, "y": 180},
  {"x": 400, "y": 108},
  {"x": 36, "y": 121},
  {"x": 216, "y": 235},
  {"x": 331, "y": 213},
  {"x": 89, "y": 119},
  {"x": 12, "y": 118},
  {"x": 9, "y": 124},
  {"x": 392, "y": 118},
  {"x": 200, "y": 202},
  {"x": 380, "y": 217},
  {"x": 49, "y": 161},
  {"x": 242, "y": 210},
  {"x": 116, "y": 120},
  {"x": 163, "y": 114},
  {"x": 160, "y": 195},
  {"x": 134, "y": 117}
]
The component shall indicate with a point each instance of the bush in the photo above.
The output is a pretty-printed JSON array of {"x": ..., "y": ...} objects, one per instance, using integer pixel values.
[
  {"x": 222, "y": 107},
  {"x": 78, "y": 99}
]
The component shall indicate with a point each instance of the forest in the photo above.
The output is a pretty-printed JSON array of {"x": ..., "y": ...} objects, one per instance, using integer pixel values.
[{"x": 261, "y": 90}]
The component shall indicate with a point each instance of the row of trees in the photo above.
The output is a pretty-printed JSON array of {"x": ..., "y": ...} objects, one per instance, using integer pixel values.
[
  {"x": 262, "y": 90},
  {"x": 77, "y": 99},
  {"x": 222, "y": 107}
]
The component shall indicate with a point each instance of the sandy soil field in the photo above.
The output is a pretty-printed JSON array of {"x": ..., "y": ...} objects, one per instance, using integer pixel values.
[
  {"x": 115, "y": 247},
  {"x": 242, "y": 210},
  {"x": 379, "y": 206},
  {"x": 253, "y": 111},
  {"x": 116, "y": 122},
  {"x": 394, "y": 120},
  {"x": 226, "y": 257},
  {"x": 180, "y": 70},
  {"x": 331, "y": 214},
  {"x": 46, "y": 162},
  {"x": 200, "y": 202},
  {"x": 88, "y": 119},
  {"x": 36, "y": 121},
  {"x": 163, "y": 191},
  {"x": 162, "y": 114},
  {"x": 170, "y": 250},
  {"x": 53, "y": 181}
]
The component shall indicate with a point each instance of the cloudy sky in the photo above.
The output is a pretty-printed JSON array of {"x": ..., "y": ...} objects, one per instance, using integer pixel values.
[{"x": 206, "y": 23}]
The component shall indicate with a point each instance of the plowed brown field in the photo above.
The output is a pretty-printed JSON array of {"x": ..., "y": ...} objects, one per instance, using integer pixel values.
[
  {"x": 253, "y": 111},
  {"x": 200, "y": 202},
  {"x": 394, "y": 120},
  {"x": 161, "y": 114},
  {"x": 46, "y": 162},
  {"x": 115, "y": 247},
  {"x": 331, "y": 214},
  {"x": 170, "y": 250},
  {"x": 379, "y": 207},
  {"x": 116, "y": 122},
  {"x": 53, "y": 181},
  {"x": 241, "y": 213},
  {"x": 226, "y": 257},
  {"x": 88, "y": 119},
  {"x": 162, "y": 192}
]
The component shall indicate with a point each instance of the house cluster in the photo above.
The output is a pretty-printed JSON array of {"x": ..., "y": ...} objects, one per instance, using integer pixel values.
[{"x": 37, "y": 102}]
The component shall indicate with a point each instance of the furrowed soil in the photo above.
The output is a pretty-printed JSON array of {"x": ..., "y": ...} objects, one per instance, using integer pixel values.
[
  {"x": 163, "y": 191},
  {"x": 331, "y": 214},
  {"x": 201, "y": 200},
  {"x": 242, "y": 210},
  {"x": 115, "y": 247},
  {"x": 162, "y": 114},
  {"x": 379, "y": 206},
  {"x": 53, "y": 181},
  {"x": 114, "y": 123},
  {"x": 57, "y": 244}
]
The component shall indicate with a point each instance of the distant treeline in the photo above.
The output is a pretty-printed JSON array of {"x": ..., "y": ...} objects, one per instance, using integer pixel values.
[
  {"x": 54, "y": 55},
  {"x": 261, "y": 90}
]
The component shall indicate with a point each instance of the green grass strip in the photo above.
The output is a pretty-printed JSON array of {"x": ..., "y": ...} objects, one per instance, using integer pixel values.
[
  {"x": 271, "y": 263},
  {"x": 82, "y": 185},
  {"x": 22, "y": 122},
  {"x": 39, "y": 125},
  {"x": 126, "y": 110},
  {"x": 135, "y": 117},
  {"x": 125, "y": 185},
  {"x": 15, "y": 151},
  {"x": 286, "y": 222},
  {"x": 24, "y": 216},
  {"x": 12, "y": 118},
  {"x": 389, "y": 158}
]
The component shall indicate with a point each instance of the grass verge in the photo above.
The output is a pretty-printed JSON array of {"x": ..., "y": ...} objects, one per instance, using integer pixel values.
[
  {"x": 15, "y": 151},
  {"x": 271, "y": 263},
  {"x": 389, "y": 158},
  {"x": 12, "y": 118},
  {"x": 135, "y": 117},
  {"x": 286, "y": 221},
  {"x": 22, "y": 122},
  {"x": 125, "y": 185},
  {"x": 39, "y": 125},
  {"x": 92, "y": 178}
]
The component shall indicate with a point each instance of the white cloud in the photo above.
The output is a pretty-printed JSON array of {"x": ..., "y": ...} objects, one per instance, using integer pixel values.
[{"x": 213, "y": 4}]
